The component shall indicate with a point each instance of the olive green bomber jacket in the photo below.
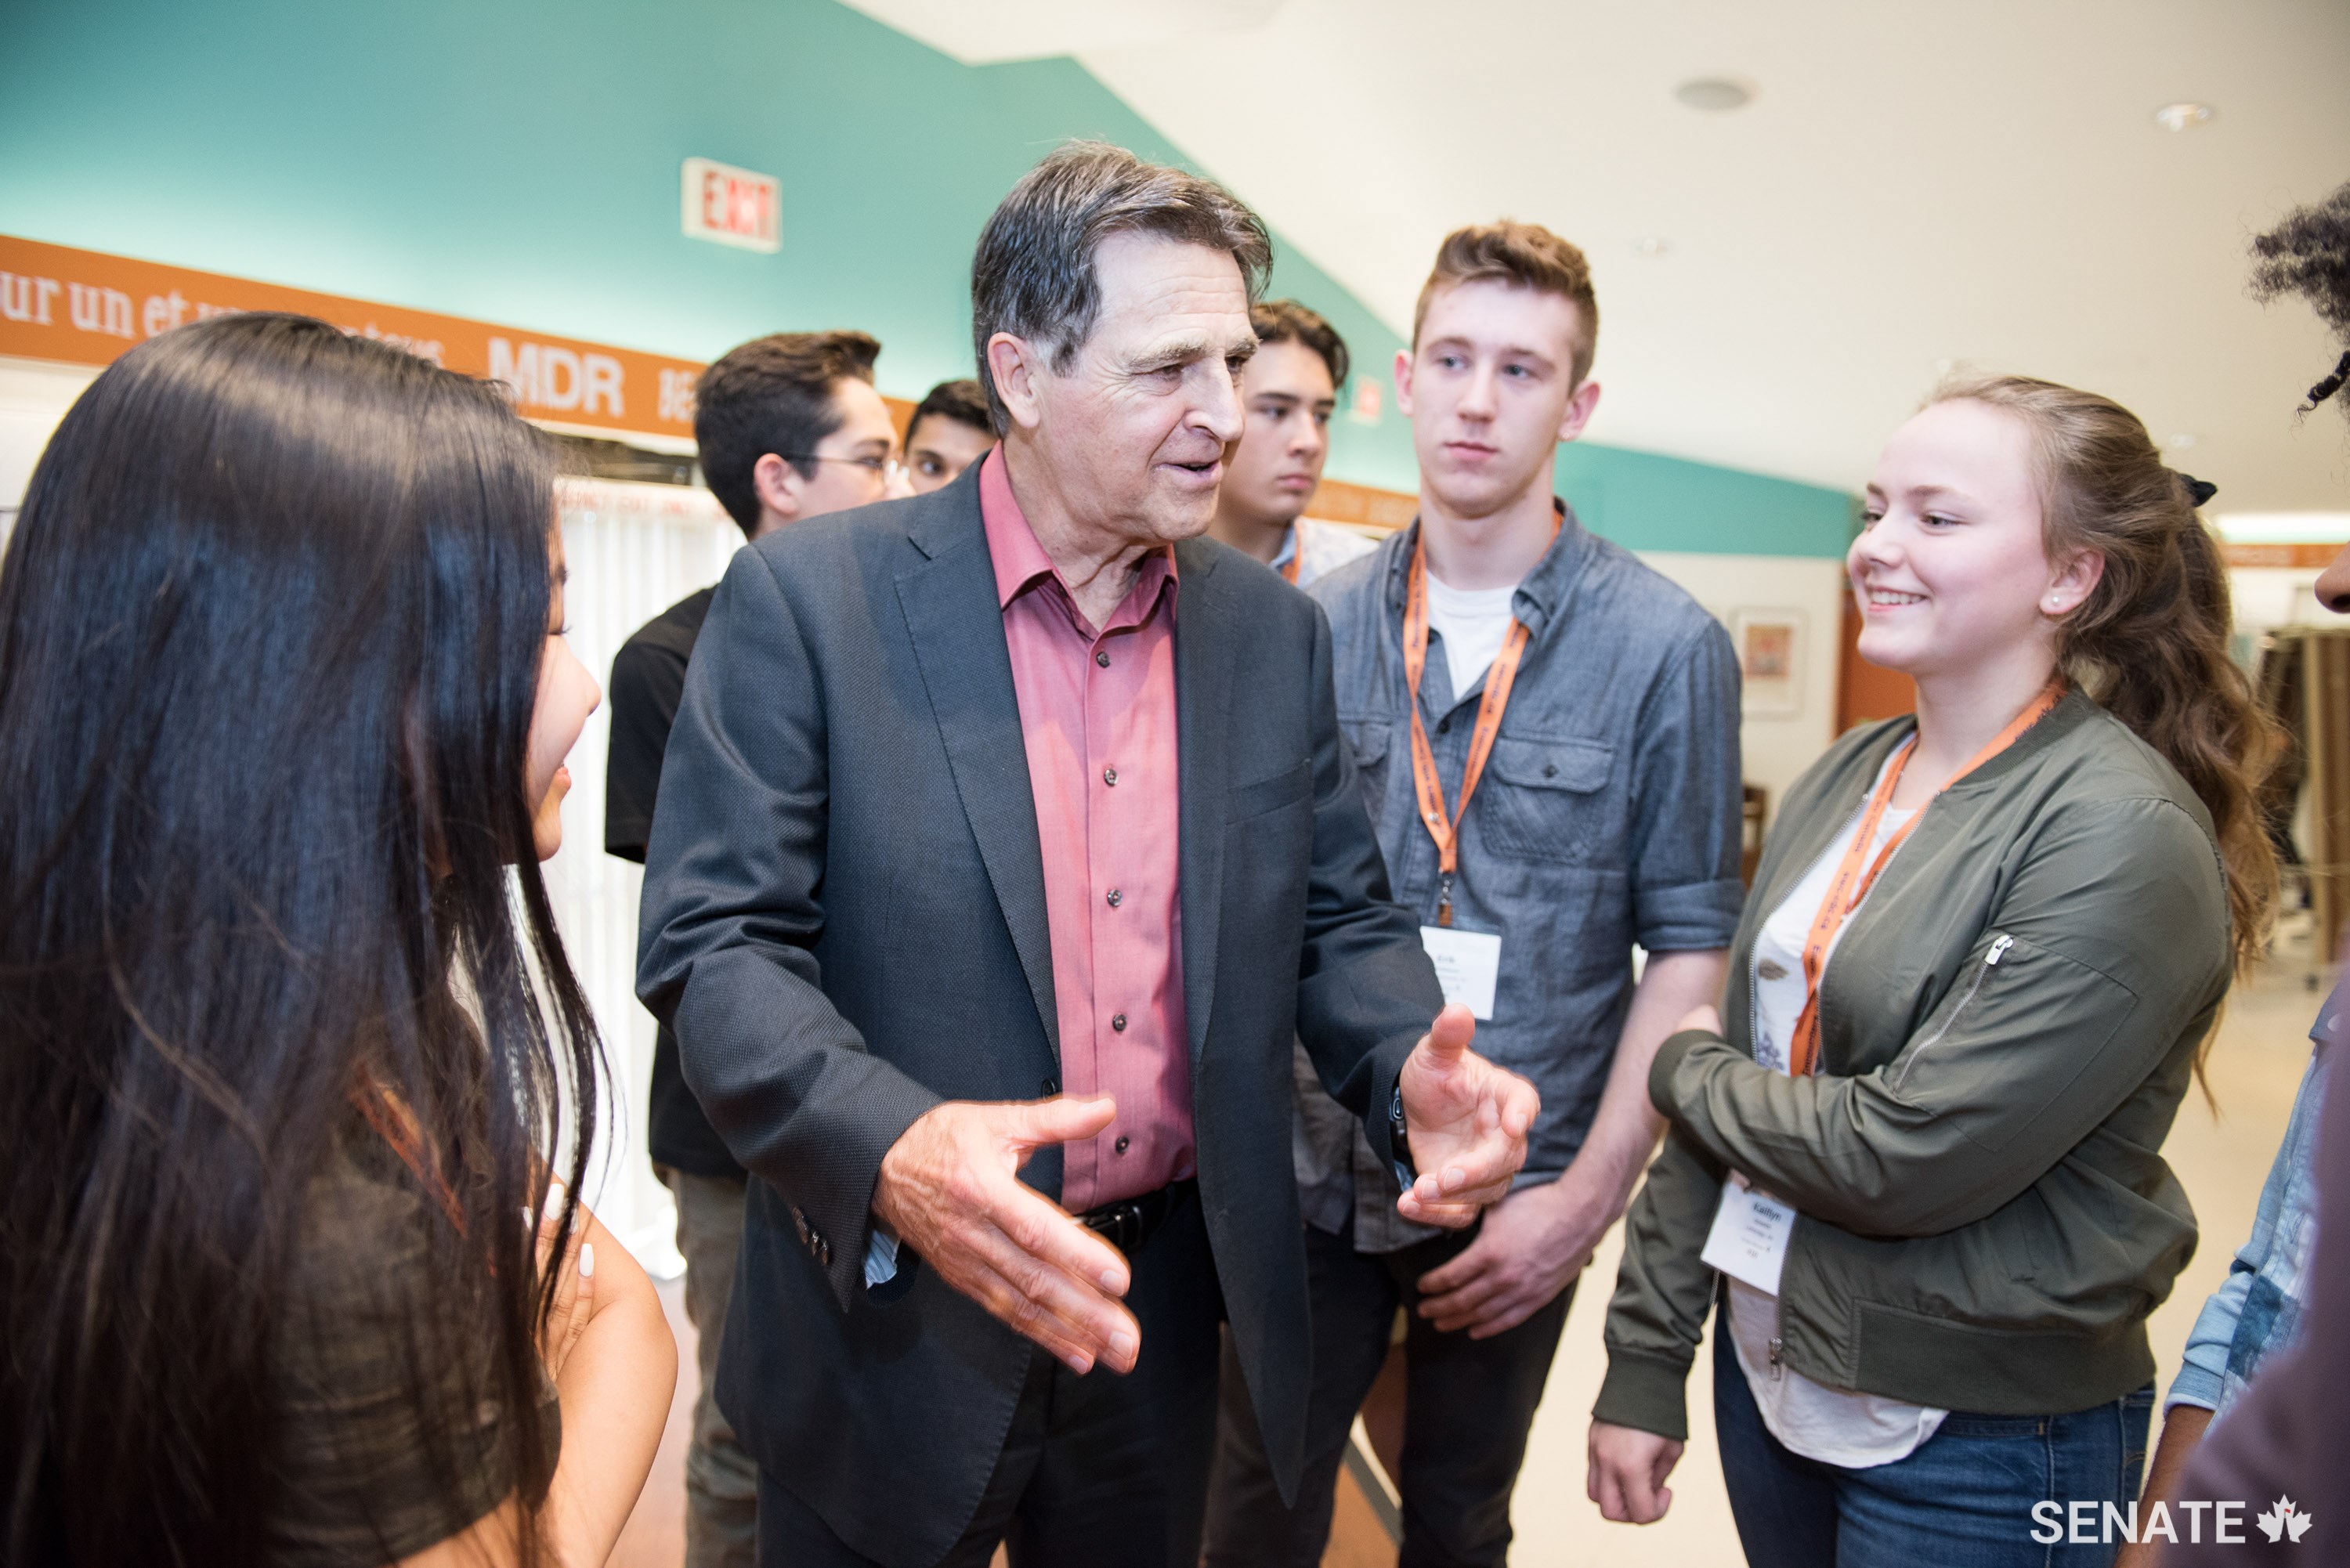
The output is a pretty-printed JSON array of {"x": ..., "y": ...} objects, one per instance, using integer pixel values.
[{"x": 2007, "y": 1028}]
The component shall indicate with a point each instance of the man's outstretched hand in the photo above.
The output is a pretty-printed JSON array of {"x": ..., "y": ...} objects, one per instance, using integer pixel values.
[
  {"x": 1466, "y": 1120},
  {"x": 950, "y": 1187}
]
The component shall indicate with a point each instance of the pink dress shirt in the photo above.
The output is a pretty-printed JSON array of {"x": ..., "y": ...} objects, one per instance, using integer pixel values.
[{"x": 1098, "y": 716}]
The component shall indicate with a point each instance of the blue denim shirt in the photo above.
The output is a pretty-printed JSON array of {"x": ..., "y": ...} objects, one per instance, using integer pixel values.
[
  {"x": 2253, "y": 1312},
  {"x": 1607, "y": 815}
]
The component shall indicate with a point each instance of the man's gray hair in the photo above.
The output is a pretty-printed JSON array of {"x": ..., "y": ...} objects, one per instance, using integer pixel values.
[{"x": 1032, "y": 275}]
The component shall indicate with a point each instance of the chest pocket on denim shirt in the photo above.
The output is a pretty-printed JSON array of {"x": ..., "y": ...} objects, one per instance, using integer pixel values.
[
  {"x": 1368, "y": 739},
  {"x": 1548, "y": 800}
]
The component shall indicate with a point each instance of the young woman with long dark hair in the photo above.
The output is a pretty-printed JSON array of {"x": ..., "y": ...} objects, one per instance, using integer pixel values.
[
  {"x": 284, "y": 1023},
  {"x": 1984, "y": 955}
]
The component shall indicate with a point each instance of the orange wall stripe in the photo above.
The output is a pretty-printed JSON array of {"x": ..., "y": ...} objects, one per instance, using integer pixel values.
[
  {"x": 2307, "y": 557},
  {"x": 85, "y": 308}
]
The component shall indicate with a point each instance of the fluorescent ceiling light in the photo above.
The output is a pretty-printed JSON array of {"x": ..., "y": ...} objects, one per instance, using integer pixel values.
[{"x": 2283, "y": 527}]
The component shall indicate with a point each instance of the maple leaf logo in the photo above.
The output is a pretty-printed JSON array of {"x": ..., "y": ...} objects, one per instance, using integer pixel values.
[{"x": 2284, "y": 1518}]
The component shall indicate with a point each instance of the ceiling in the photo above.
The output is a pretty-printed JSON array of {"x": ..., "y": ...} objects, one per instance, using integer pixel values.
[{"x": 1913, "y": 188}]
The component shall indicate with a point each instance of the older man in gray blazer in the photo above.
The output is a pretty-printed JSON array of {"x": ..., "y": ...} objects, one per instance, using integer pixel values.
[{"x": 985, "y": 901}]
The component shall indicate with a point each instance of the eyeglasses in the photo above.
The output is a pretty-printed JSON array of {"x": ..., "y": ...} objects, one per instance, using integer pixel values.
[{"x": 885, "y": 468}]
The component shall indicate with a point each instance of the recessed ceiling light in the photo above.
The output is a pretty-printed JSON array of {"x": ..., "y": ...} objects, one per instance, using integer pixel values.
[
  {"x": 1715, "y": 94},
  {"x": 2184, "y": 441},
  {"x": 2183, "y": 116},
  {"x": 1650, "y": 246}
]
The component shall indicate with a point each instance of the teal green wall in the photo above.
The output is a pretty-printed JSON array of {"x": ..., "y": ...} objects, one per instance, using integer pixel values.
[
  {"x": 1652, "y": 503},
  {"x": 516, "y": 161}
]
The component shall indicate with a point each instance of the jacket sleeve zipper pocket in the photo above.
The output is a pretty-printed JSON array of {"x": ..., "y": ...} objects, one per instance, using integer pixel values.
[{"x": 2000, "y": 944}]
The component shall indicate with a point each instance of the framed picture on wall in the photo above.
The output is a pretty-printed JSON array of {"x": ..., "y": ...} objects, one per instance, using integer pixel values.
[{"x": 1770, "y": 645}]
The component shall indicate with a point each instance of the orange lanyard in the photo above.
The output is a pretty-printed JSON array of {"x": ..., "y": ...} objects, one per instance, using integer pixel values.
[
  {"x": 1289, "y": 567},
  {"x": 1851, "y": 883},
  {"x": 1445, "y": 828}
]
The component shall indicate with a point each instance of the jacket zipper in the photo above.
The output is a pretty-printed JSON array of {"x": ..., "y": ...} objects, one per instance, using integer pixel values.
[{"x": 2000, "y": 944}]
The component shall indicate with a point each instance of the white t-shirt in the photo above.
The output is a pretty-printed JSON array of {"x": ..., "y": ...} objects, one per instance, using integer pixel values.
[
  {"x": 1833, "y": 1426},
  {"x": 1473, "y": 623}
]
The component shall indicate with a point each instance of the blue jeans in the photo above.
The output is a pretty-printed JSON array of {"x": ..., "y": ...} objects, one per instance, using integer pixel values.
[{"x": 1963, "y": 1498}]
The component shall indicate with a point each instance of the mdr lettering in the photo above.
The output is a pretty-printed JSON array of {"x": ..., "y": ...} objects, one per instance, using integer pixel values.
[
  {"x": 549, "y": 376},
  {"x": 2110, "y": 1524}
]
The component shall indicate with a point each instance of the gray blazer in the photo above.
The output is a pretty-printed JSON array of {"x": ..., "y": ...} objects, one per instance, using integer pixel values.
[{"x": 843, "y": 922}]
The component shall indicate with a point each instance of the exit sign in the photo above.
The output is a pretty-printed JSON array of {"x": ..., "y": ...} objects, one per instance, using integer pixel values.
[{"x": 732, "y": 206}]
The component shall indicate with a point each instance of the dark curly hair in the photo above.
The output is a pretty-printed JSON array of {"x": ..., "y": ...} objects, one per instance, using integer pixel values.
[{"x": 2309, "y": 255}]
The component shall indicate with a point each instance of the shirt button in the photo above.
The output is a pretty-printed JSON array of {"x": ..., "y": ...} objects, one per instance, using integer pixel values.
[
  {"x": 1115, "y": 898},
  {"x": 1122, "y": 1142},
  {"x": 1118, "y": 1023},
  {"x": 1443, "y": 724},
  {"x": 1110, "y": 777},
  {"x": 1101, "y": 657}
]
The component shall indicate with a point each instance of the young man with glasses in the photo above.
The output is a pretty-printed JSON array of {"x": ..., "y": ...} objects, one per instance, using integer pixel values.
[{"x": 789, "y": 427}]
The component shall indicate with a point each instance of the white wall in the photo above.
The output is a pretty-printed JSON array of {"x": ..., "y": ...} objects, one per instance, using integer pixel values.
[
  {"x": 633, "y": 550},
  {"x": 2268, "y": 597},
  {"x": 33, "y": 398},
  {"x": 1777, "y": 747}
]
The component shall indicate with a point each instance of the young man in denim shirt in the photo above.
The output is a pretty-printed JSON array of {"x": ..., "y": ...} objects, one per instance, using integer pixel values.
[{"x": 1590, "y": 710}]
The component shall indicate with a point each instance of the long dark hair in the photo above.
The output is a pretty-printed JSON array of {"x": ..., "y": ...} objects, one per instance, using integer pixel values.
[
  {"x": 2151, "y": 640},
  {"x": 271, "y": 624}
]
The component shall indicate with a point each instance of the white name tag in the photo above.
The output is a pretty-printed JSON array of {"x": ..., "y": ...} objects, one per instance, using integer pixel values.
[
  {"x": 1749, "y": 1239},
  {"x": 1468, "y": 966}
]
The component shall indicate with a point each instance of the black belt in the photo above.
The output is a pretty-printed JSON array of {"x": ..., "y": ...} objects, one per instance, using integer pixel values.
[{"x": 1129, "y": 1222}]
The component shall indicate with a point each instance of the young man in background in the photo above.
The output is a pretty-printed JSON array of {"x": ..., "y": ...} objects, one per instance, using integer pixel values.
[
  {"x": 789, "y": 426},
  {"x": 1546, "y": 736},
  {"x": 1290, "y": 390},
  {"x": 949, "y": 432}
]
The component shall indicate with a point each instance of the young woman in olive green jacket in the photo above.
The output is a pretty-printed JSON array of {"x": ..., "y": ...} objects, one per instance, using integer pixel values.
[{"x": 1985, "y": 949}]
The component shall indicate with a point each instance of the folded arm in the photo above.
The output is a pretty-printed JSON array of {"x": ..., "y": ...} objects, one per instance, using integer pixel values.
[{"x": 2107, "y": 952}]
